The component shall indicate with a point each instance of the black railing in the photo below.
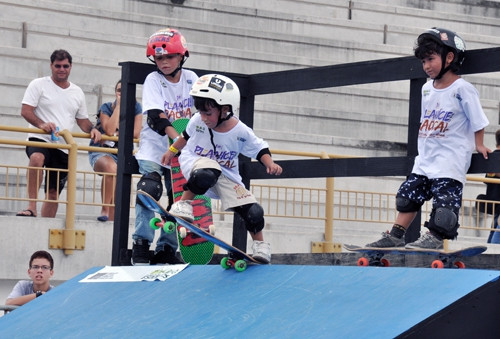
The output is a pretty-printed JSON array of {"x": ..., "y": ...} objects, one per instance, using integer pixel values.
[{"x": 396, "y": 69}]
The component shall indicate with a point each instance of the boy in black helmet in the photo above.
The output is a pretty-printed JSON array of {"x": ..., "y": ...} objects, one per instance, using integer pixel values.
[{"x": 452, "y": 125}]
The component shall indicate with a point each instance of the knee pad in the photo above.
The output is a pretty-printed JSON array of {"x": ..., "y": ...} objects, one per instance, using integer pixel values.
[
  {"x": 406, "y": 205},
  {"x": 253, "y": 215},
  {"x": 151, "y": 184},
  {"x": 202, "y": 179},
  {"x": 444, "y": 221}
]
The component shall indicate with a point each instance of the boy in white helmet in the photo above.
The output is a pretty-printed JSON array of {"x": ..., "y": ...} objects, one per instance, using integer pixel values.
[
  {"x": 210, "y": 147},
  {"x": 452, "y": 125}
]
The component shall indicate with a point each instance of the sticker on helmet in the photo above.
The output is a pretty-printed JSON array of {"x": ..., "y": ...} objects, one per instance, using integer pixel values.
[
  {"x": 459, "y": 43},
  {"x": 217, "y": 84}
]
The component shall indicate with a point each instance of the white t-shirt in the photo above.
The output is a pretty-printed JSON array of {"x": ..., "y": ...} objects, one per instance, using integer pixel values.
[
  {"x": 23, "y": 287},
  {"x": 228, "y": 145},
  {"x": 55, "y": 104},
  {"x": 449, "y": 119},
  {"x": 174, "y": 100}
]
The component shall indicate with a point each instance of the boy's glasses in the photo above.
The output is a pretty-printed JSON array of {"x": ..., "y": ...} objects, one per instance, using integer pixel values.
[
  {"x": 43, "y": 267},
  {"x": 66, "y": 66}
]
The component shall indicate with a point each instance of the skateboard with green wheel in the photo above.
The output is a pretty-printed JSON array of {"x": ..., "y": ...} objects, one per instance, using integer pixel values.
[
  {"x": 195, "y": 250},
  {"x": 236, "y": 258}
]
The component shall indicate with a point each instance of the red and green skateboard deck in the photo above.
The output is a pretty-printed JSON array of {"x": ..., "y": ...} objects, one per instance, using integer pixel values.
[{"x": 194, "y": 249}]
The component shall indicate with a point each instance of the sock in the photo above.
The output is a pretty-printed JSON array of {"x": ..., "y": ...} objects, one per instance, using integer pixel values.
[{"x": 398, "y": 231}]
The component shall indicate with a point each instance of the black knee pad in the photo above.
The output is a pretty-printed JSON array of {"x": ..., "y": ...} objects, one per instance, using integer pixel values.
[
  {"x": 406, "y": 205},
  {"x": 151, "y": 184},
  {"x": 202, "y": 179},
  {"x": 444, "y": 222},
  {"x": 253, "y": 214}
]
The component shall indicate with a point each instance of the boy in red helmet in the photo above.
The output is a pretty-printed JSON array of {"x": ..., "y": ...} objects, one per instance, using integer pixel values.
[{"x": 165, "y": 98}]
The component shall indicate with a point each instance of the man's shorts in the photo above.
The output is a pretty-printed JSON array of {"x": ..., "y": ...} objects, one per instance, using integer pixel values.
[
  {"x": 230, "y": 193},
  {"x": 446, "y": 192},
  {"x": 54, "y": 158}
]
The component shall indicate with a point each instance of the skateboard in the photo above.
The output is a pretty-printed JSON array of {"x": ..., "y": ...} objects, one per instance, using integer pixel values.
[
  {"x": 194, "y": 249},
  {"x": 236, "y": 258},
  {"x": 446, "y": 259}
]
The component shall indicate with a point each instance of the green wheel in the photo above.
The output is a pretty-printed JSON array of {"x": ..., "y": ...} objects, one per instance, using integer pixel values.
[
  {"x": 154, "y": 223},
  {"x": 240, "y": 265},
  {"x": 169, "y": 227},
  {"x": 224, "y": 263}
]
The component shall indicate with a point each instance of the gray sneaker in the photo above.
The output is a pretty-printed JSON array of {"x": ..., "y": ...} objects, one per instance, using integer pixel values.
[
  {"x": 183, "y": 209},
  {"x": 387, "y": 240},
  {"x": 428, "y": 240}
]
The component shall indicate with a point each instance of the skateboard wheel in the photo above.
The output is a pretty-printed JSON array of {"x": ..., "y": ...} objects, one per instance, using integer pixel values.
[
  {"x": 437, "y": 264},
  {"x": 363, "y": 261},
  {"x": 156, "y": 223},
  {"x": 211, "y": 229},
  {"x": 182, "y": 232},
  {"x": 169, "y": 227},
  {"x": 384, "y": 262},
  {"x": 240, "y": 265},
  {"x": 225, "y": 263},
  {"x": 459, "y": 264}
]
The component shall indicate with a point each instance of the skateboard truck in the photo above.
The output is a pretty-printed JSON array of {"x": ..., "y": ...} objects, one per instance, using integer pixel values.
[{"x": 231, "y": 261}]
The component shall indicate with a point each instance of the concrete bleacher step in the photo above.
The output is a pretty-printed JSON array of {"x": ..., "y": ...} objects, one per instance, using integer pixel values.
[
  {"x": 237, "y": 33},
  {"x": 373, "y": 12}
]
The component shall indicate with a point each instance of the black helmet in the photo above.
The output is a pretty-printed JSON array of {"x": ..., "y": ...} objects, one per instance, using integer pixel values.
[{"x": 451, "y": 41}]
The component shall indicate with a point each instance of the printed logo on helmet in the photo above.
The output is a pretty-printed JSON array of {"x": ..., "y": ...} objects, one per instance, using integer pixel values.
[
  {"x": 217, "y": 84},
  {"x": 459, "y": 43},
  {"x": 444, "y": 36}
]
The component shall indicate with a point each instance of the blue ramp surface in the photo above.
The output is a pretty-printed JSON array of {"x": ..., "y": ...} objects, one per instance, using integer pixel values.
[{"x": 271, "y": 301}]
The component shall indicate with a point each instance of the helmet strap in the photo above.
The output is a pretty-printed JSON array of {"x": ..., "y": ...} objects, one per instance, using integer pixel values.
[
  {"x": 221, "y": 120},
  {"x": 443, "y": 68}
]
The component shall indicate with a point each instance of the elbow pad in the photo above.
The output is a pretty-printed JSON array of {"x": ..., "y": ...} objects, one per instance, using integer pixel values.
[
  {"x": 156, "y": 123},
  {"x": 262, "y": 152}
]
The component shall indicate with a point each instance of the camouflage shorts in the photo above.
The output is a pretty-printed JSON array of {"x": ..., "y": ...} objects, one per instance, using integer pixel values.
[{"x": 446, "y": 192}]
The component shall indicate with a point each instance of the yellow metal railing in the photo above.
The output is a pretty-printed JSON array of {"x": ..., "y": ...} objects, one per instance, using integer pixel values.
[{"x": 324, "y": 204}]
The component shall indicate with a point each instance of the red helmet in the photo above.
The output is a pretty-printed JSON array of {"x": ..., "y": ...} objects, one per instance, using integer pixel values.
[{"x": 167, "y": 41}]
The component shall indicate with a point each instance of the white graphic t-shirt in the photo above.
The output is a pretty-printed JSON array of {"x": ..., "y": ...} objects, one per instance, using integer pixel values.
[
  {"x": 449, "y": 119},
  {"x": 221, "y": 147},
  {"x": 174, "y": 100}
]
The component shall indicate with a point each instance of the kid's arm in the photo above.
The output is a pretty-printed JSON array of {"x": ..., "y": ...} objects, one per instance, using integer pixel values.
[
  {"x": 174, "y": 149},
  {"x": 479, "y": 137},
  {"x": 271, "y": 166}
]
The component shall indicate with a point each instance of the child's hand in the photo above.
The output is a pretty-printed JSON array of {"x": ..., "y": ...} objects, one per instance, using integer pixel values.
[
  {"x": 274, "y": 169},
  {"x": 484, "y": 151},
  {"x": 167, "y": 157}
]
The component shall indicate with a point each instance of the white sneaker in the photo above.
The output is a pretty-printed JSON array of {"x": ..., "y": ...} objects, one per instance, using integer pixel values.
[
  {"x": 261, "y": 251},
  {"x": 183, "y": 209}
]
